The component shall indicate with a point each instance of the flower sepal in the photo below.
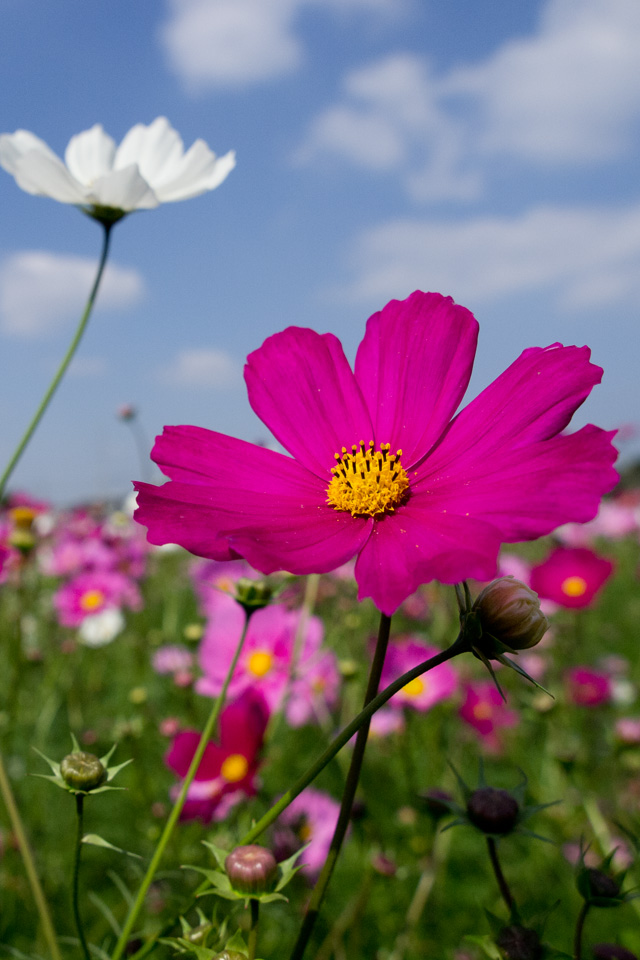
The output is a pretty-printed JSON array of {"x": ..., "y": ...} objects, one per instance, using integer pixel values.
[
  {"x": 601, "y": 886},
  {"x": 82, "y": 773},
  {"x": 222, "y": 886}
]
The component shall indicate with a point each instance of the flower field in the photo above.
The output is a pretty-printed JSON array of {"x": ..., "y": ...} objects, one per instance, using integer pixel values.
[{"x": 123, "y": 643}]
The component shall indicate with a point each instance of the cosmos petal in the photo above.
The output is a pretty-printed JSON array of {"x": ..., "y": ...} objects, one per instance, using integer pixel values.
[{"x": 89, "y": 155}]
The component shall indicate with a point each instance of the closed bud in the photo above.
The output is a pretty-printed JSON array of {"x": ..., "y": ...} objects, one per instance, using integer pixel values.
[
  {"x": 598, "y": 887},
  {"x": 251, "y": 869},
  {"x": 610, "y": 951},
  {"x": 519, "y": 943},
  {"x": 493, "y": 811},
  {"x": 253, "y": 594},
  {"x": 83, "y": 771},
  {"x": 510, "y": 611}
]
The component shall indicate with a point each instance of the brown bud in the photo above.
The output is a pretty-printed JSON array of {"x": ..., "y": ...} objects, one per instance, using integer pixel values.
[
  {"x": 251, "y": 869},
  {"x": 510, "y": 612},
  {"x": 492, "y": 810},
  {"x": 519, "y": 943}
]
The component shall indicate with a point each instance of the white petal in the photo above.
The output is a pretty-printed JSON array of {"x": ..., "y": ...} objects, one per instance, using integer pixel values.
[
  {"x": 156, "y": 149},
  {"x": 46, "y": 176},
  {"x": 90, "y": 154},
  {"x": 199, "y": 171},
  {"x": 123, "y": 190},
  {"x": 13, "y": 146}
]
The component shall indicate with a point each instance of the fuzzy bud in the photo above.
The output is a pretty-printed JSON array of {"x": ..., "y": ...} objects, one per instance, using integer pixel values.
[
  {"x": 493, "y": 811},
  {"x": 510, "y": 611},
  {"x": 251, "y": 869},
  {"x": 82, "y": 771},
  {"x": 519, "y": 943}
]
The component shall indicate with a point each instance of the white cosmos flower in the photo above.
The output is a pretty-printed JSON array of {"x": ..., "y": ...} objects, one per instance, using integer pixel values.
[
  {"x": 148, "y": 168},
  {"x": 99, "y": 629}
]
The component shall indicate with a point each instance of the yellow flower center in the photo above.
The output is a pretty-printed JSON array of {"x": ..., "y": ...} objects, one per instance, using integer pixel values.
[
  {"x": 367, "y": 482},
  {"x": 574, "y": 586},
  {"x": 414, "y": 688},
  {"x": 23, "y": 517},
  {"x": 483, "y": 711},
  {"x": 234, "y": 768},
  {"x": 305, "y": 832},
  {"x": 260, "y": 663},
  {"x": 91, "y": 600}
]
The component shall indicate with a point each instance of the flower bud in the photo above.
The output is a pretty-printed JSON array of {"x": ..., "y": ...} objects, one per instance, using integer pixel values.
[
  {"x": 510, "y": 611},
  {"x": 519, "y": 943},
  {"x": 230, "y": 955},
  {"x": 251, "y": 869},
  {"x": 253, "y": 594},
  {"x": 598, "y": 887},
  {"x": 82, "y": 771},
  {"x": 199, "y": 934},
  {"x": 493, "y": 811},
  {"x": 610, "y": 951}
]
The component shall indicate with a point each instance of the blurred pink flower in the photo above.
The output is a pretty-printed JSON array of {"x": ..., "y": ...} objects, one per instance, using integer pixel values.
[
  {"x": 387, "y": 721},
  {"x": 571, "y": 576},
  {"x": 628, "y": 730},
  {"x": 172, "y": 658},
  {"x": 93, "y": 592},
  {"x": 313, "y": 816},
  {"x": 485, "y": 710},
  {"x": 314, "y": 689},
  {"x": 425, "y": 691},
  {"x": 587, "y": 687},
  {"x": 614, "y": 520},
  {"x": 228, "y": 768}
]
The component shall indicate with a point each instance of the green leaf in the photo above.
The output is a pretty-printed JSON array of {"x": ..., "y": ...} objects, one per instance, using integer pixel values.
[{"x": 96, "y": 841}]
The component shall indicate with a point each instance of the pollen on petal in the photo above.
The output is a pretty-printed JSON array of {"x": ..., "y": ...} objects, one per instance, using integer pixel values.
[{"x": 368, "y": 482}]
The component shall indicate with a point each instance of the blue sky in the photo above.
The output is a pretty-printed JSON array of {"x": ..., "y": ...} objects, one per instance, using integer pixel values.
[{"x": 486, "y": 150}]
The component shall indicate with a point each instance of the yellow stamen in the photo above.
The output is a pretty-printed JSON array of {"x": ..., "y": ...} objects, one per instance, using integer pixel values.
[
  {"x": 260, "y": 663},
  {"x": 414, "y": 688},
  {"x": 483, "y": 711},
  {"x": 234, "y": 768},
  {"x": 305, "y": 832},
  {"x": 23, "y": 517},
  {"x": 368, "y": 482},
  {"x": 574, "y": 586},
  {"x": 91, "y": 600}
]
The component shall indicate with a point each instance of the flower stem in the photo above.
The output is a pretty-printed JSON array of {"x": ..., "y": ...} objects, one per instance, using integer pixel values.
[
  {"x": 497, "y": 869},
  {"x": 252, "y": 942},
  {"x": 207, "y": 733},
  {"x": 459, "y": 646},
  {"x": 29, "y": 865},
  {"x": 68, "y": 357},
  {"x": 348, "y": 795},
  {"x": 577, "y": 940},
  {"x": 76, "y": 875}
]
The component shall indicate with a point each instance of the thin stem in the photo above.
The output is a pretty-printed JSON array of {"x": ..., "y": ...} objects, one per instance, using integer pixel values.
[
  {"x": 76, "y": 874},
  {"x": 348, "y": 795},
  {"x": 68, "y": 357},
  {"x": 577, "y": 940},
  {"x": 459, "y": 646},
  {"x": 252, "y": 943},
  {"x": 497, "y": 869},
  {"x": 207, "y": 733},
  {"x": 29, "y": 865}
]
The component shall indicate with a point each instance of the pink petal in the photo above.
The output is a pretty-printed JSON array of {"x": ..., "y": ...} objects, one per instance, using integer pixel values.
[
  {"x": 301, "y": 386},
  {"x": 243, "y": 723},
  {"x": 413, "y": 367},
  {"x": 418, "y": 544},
  {"x": 182, "y": 752}
]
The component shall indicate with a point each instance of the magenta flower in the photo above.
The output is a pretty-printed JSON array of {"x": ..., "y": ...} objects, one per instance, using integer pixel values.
[
  {"x": 423, "y": 692},
  {"x": 91, "y": 593},
  {"x": 571, "y": 576},
  {"x": 313, "y": 815},
  {"x": 378, "y": 468},
  {"x": 587, "y": 687},
  {"x": 228, "y": 768},
  {"x": 485, "y": 710}
]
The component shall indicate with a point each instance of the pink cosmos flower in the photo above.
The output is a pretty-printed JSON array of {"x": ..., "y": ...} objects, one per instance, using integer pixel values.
[
  {"x": 313, "y": 815},
  {"x": 378, "y": 468},
  {"x": 314, "y": 689},
  {"x": 587, "y": 687},
  {"x": 172, "y": 658},
  {"x": 228, "y": 768},
  {"x": 571, "y": 576},
  {"x": 485, "y": 710},
  {"x": 91, "y": 593},
  {"x": 425, "y": 691}
]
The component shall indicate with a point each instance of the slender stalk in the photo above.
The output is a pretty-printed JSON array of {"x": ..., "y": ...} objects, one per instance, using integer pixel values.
[
  {"x": 252, "y": 942},
  {"x": 76, "y": 874},
  {"x": 459, "y": 646},
  {"x": 497, "y": 869},
  {"x": 62, "y": 369},
  {"x": 577, "y": 940},
  {"x": 207, "y": 733},
  {"x": 348, "y": 795},
  {"x": 29, "y": 865}
]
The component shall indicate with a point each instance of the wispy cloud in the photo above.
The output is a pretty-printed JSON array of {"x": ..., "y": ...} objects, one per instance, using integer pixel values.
[
  {"x": 205, "y": 367},
  {"x": 43, "y": 292},
  {"x": 569, "y": 93},
  {"x": 586, "y": 258},
  {"x": 232, "y": 43}
]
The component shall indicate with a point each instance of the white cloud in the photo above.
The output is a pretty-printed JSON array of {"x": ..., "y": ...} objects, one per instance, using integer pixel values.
[
  {"x": 87, "y": 367},
  {"x": 237, "y": 42},
  {"x": 568, "y": 93},
  {"x": 42, "y": 292},
  {"x": 202, "y": 367},
  {"x": 584, "y": 257}
]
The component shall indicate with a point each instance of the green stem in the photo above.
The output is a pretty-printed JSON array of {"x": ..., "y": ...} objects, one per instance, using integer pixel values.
[
  {"x": 459, "y": 646},
  {"x": 252, "y": 943},
  {"x": 76, "y": 875},
  {"x": 577, "y": 941},
  {"x": 497, "y": 869},
  {"x": 348, "y": 795},
  {"x": 207, "y": 733},
  {"x": 29, "y": 865},
  {"x": 68, "y": 357}
]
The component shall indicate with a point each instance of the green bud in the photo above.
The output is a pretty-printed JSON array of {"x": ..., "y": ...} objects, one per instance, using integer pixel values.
[
  {"x": 83, "y": 771},
  {"x": 253, "y": 594}
]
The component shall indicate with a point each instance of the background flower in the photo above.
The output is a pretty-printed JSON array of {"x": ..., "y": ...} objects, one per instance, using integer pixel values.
[{"x": 571, "y": 576}]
